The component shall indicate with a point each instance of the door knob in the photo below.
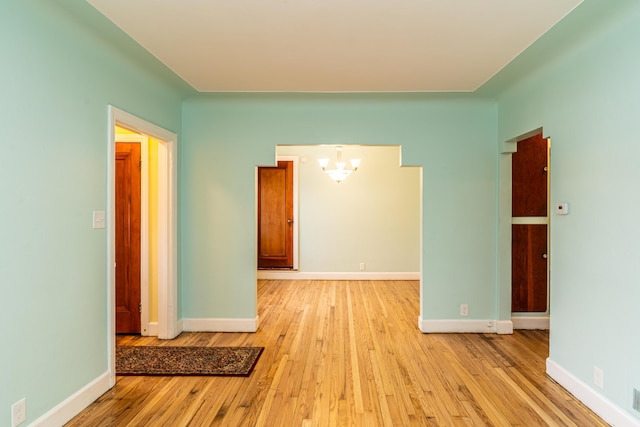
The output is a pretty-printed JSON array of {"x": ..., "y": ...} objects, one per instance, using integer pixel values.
[
  {"x": 289, "y": 221},
  {"x": 544, "y": 256}
]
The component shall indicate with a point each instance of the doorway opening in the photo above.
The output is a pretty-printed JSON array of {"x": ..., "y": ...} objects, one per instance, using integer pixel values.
[
  {"x": 530, "y": 231},
  {"x": 166, "y": 249},
  {"x": 367, "y": 227}
]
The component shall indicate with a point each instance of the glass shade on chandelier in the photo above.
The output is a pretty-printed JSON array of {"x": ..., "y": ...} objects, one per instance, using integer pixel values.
[{"x": 340, "y": 173}]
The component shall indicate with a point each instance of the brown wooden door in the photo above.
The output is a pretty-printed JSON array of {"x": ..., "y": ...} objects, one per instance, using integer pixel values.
[
  {"x": 127, "y": 238},
  {"x": 529, "y": 264},
  {"x": 529, "y": 268},
  {"x": 275, "y": 216}
]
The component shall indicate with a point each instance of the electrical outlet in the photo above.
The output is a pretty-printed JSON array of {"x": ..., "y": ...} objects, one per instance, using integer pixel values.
[
  {"x": 464, "y": 309},
  {"x": 362, "y": 266},
  {"x": 598, "y": 377},
  {"x": 18, "y": 412}
]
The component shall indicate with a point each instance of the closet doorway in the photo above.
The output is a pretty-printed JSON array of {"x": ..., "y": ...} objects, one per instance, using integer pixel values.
[{"x": 530, "y": 226}]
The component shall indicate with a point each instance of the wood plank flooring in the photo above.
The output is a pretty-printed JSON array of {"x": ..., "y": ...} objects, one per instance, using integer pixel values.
[{"x": 349, "y": 353}]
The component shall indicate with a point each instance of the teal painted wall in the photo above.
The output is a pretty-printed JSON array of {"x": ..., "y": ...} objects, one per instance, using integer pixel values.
[
  {"x": 56, "y": 80},
  {"x": 587, "y": 99},
  {"x": 63, "y": 64},
  {"x": 226, "y": 136}
]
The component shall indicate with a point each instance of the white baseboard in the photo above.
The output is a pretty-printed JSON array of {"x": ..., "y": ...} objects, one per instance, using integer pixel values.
[
  {"x": 457, "y": 326},
  {"x": 540, "y": 322},
  {"x": 74, "y": 404},
  {"x": 298, "y": 275},
  {"x": 504, "y": 327},
  {"x": 220, "y": 325},
  {"x": 605, "y": 409},
  {"x": 153, "y": 329}
]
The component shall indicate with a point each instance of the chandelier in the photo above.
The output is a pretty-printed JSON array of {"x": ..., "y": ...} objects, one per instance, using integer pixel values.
[{"x": 339, "y": 174}]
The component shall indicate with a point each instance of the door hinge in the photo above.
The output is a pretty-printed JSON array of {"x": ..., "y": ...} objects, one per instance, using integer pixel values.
[
  {"x": 140, "y": 165},
  {"x": 140, "y": 308}
]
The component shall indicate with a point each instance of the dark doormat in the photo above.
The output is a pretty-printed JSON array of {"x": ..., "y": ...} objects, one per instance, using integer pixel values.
[{"x": 166, "y": 360}]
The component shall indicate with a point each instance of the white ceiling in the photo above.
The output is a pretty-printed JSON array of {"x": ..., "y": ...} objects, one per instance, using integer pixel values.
[{"x": 335, "y": 45}]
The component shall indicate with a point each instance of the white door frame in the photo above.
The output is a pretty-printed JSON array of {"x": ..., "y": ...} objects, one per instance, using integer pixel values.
[{"x": 167, "y": 226}]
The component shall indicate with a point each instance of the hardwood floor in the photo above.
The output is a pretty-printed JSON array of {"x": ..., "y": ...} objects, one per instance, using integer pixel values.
[{"x": 350, "y": 353}]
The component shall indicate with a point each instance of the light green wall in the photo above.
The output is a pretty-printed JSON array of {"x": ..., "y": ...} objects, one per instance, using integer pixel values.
[
  {"x": 371, "y": 217},
  {"x": 63, "y": 63},
  {"x": 226, "y": 136},
  {"x": 588, "y": 101},
  {"x": 56, "y": 80}
]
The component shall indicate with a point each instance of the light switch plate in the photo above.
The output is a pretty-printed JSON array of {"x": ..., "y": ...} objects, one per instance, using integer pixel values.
[{"x": 98, "y": 219}]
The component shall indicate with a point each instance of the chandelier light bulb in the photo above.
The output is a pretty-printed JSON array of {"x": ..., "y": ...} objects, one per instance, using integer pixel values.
[
  {"x": 340, "y": 173},
  {"x": 323, "y": 163}
]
